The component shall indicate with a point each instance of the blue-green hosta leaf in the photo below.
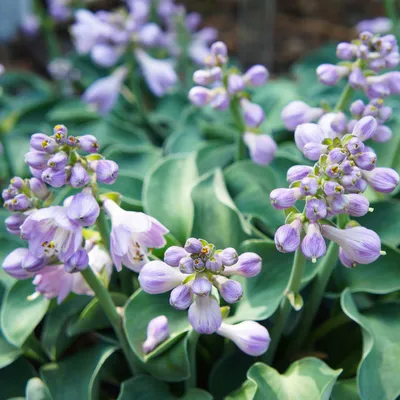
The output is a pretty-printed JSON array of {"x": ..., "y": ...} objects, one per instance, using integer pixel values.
[
  {"x": 77, "y": 376},
  {"x": 214, "y": 154},
  {"x": 166, "y": 194},
  {"x": 345, "y": 390},
  {"x": 37, "y": 390},
  {"x": 377, "y": 376},
  {"x": 380, "y": 277},
  {"x": 8, "y": 352},
  {"x": 20, "y": 316},
  {"x": 308, "y": 378},
  {"x": 216, "y": 218}
]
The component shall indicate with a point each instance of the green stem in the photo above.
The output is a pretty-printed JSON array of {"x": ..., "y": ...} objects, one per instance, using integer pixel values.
[
  {"x": 345, "y": 98},
  {"x": 7, "y": 156},
  {"x": 293, "y": 286},
  {"x": 192, "y": 340},
  {"x": 241, "y": 151},
  {"x": 110, "y": 310},
  {"x": 327, "y": 327},
  {"x": 33, "y": 349},
  {"x": 102, "y": 227},
  {"x": 390, "y": 9},
  {"x": 48, "y": 31}
]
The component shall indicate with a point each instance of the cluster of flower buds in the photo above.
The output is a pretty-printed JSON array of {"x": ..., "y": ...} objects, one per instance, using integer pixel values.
[
  {"x": 334, "y": 185},
  {"x": 56, "y": 161},
  {"x": 363, "y": 59},
  {"x": 221, "y": 86},
  {"x": 251, "y": 337},
  {"x": 196, "y": 273}
]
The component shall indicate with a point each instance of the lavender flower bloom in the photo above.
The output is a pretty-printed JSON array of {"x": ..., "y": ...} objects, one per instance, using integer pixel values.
[
  {"x": 251, "y": 337},
  {"x": 157, "y": 332},
  {"x": 357, "y": 107},
  {"x": 200, "y": 96},
  {"x": 357, "y": 79},
  {"x": 50, "y": 232},
  {"x": 32, "y": 263},
  {"x": 358, "y": 205},
  {"x": 297, "y": 112},
  {"x": 174, "y": 254},
  {"x": 38, "y": 188},
  {"x": 83, "y": 209},
  {"x": 253, "y": 113},
  {"x": 375, "y": 25},
  {"x": 201, "y": 286},
  {"x": 79, "y": 176},
  {"x": 205, "y": 315},
  {"x": 229, "y": 256},
  {"x": 345, "y": 51},
  {"x": 366, "y": 161},
  {"x": 58, "y": 160},
  {"x": 257, "y": 75},
  {"x": 382, "y": 180},
  {"x": 131, "y": 235},
  {"x": 315, "y": 209},
  {"x": 287, "y": 237},
  {"x": 36, "y": 159},
  {"x": 12, "y": 264},
  {"x": 313, "y": 245},
  {"x": 284, "y": 198},
  {"x": 219, "y": 99},
  {"x": 207, "y": 77},
  {"x": 77, "y": 262},
  {"x": 248, "y": 265},
  {"x": 382, "y": 134},
  {"x": 54, "y": 178},
  {"x": 297, "y": 172},
  {"x": 30, "y": 25},
  {"x": 361, "y": 244},
  {"x": 262, "y": 147},
  {"x": 103, "y": 94},
  {"x": 345, "y": 259},
  {"x": 308, "y": 133},
  {"x": 230, "y": 290},
  {"x": 106, "y": 171},
  {"x": 365, "y": 128},
  {"x": 186, "y": 265},
  {"x": 308, "y": 186},
  {"x": 235, "y": 83},
  {"x": 14, "y": 222},
  {"x": 88, "y": 143},
  {"x": 214, "y": 264},
  {"x": 192, "y": 245},
  {"x": 330, "y": 74},
  {"x": 159, "y": 74},
  {"x": 181, "y": 297}
]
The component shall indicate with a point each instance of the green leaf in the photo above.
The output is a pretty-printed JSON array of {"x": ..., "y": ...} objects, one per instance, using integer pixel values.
[
  {"x": 377, "y": 376},
  {"x": 8, "y": 352},
  {"x": 77, "y": 377},
  {"x": 308, "y": 378},
  {"x": 93, "y": 316},
  {"x": 14, "y": 378},
  {"x": 214, "y": 155},
  {"x": 216, "y": 218},
  {"x": 380, "y": 277},
  {"x": 345, "y": 390},
  {"x": 166, "y": 194},
  {"x": 71, "y": 110},
  {"x": 54, "y": 338},
  {"x": 20, "y": 316},
  {"x": 37, "y": 390},
  {"x": 169, "y": 361},
  {"x": 263, "y": 293}
]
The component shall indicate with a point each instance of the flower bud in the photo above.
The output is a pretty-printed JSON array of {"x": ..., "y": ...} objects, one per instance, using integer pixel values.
[
  {"x": 54, "y": 178},
  {"x": 20, "y": 202},
  {"x": 382, "y": 180},
  {"x": 88, "y": 143},
  {"x": 382, "y": 134},
  {"x": 198, "y": 264},
  {"x": 79, "y": 176},
  {"x": 214, "y": 264},
  {"x": 385, "y": 113},
  {"x": 60, "y": 133},
  {"x": 338, "y": 204},
  {"x": 357, "y": 79},
  {"x": 297, "y": 172},
  {"x": 229, "y": 256},
  {"x": 287, "y": 237},
  {"x": 219, "y": 50},
  {"x": 36, "y": 159},
  {"x": 201, "y": 286},
  {"x": 251, "y": 337},
  {"x": 205, "y": 315},
  {"x": 12, "y": 264},
  {"x": 107, "y": 171},
  {"x": 262, "y": 147},
  {"x": 366, "y": 161},
  {"x": 77, "y": 262},
  {"x": 42, "y": 142},
  {"x": 308, "y": 133},
  {"x": 297, "y": 112},
  {"x": 235, "y": 83},
  {"x": 308, "y": 186},
  {"x": 83, "y": 209},
  {"x": 339, "y": 123},
  {"x": 17, "y": 182},
  {"x": 345, "y": 259},
  {"x": 230, "y": 290},
  {"x": 358, "y": 205},
  {"x": 359, "y": 187},
  {"x": 370, "y": 111},
  {"x": 329, "y": 74},
  {"x": 284, "y": 198},
  {"x": 199, "y": 96},
  {"x": 58, "y": 161},
  {"x": 313, "y": 151},
  {"x": 186, "y": 265},
  {"x": 315, "y": 209},
  {"x": 31, "y": 263},
  {"x": 174, "y": 254},
  {"x": 332, "y": 188},
  {"x": 336, "y": 156},
  {"x": 157, "y": 332},
  {"x": 9, "y": 193},
  {"x": 345, "y": 51},
  {"x": 181, "y": 297},
  {"x": 357, "y": 107},
  {"x": 158, "y": 277},
  {"x": 355, "y": 145},
  {"x": 38, "y": 188},
  {"x": 333, "y": 170},
  {"x": 219, "y": 99},
  {"x": 253, "y": 113},
  {"x": 14, "y": 222},
  {"x": 257, "y": 75},
  {"x": 248, "y": 265},
  {"x": 365, "y": 128},
  {"x": 193, "y": 245},
  {"x": 313, "y": 245}
]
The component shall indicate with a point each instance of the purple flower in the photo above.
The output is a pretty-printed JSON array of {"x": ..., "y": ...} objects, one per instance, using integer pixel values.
[
  {"x": 230, "y": 290},
  {"x": 30, "y": 25},
  {"x": 193, "y": 246},
  {"x": 332, "y": 188},
  {"x": 12, "y": 264},
  {"x": 150, "y": 35},
  {"x": 235, "y": 83},
  {"x": 382, "y": 134},
  {"x": 345, "y": 51},
  {"x": 106, "y": 171},
  {"x": 159, "y": 74},
  {"x": 357, "y": 79},
  {"x": 79, "y": 176},
  {"x": 313, "y": 245},
  {"x": 287, "y": 237},
  {"x": 205, "y": 315},
  {"x": 329, "y": 74},
  {"x": 38, "y": 188},
  {"x": 262, "y": 147},
  {"x": 132, "y": 234},
  {"x": 105, "y": 55},
  {"x": 382, "y": 180},
  {"x": 58, "y": 161},
  {"x": 308, "y": 133},
  {"x": 77, "y": 262},
  {"x": 248, "y": 265},
  {"x": 366, "y": 161},
  {"x": 32, "y": 263},
  {"x": 219, "y": 99},
  {"x": 315, "y": 209},
  {"x": 297, "y": 112},
  {"x": 200, "y": 96},
  {"x": 361, "y": 244},
  {"x": 297, "y": 172},
  {"x": 83, "y": 209},
  {"x": 37, "y": 159},
  {"x": 253, "y": 113},
  {"x": 251, "y": 337},
  {"x": 365, "y": 128},
  {"x": 355, "y": 145},
  {"x": 14, "y": 222},
  {"x": 345, "y": 259},
  {"x": 257, "y": 75},
  {"x": 88, "y": 143},
  {"x": 284, "y": 198},
  {"x": 186, "y": 265},
  {"x": 103, "y": 93},
  {"x": 201, "y": 286},
  {"x": 229, "y": 256},
  {"x": 308, "y": 186},
  {"x": 50, "y": 232},
  {"x": 357, "y": 107},
  {"x": 42, "y": 142},
  {"x": 336, "y": 156},
  {"x": 181, "y": 297},
  {"x": 20, "y": 202},
  {"x": 358, "y": 205},
  {"x": 174, "y": 254},
  {"x": 157, "y": 332},
  {"x": 375, "y": 25},
  {"x": 54, "y": 178},
  {"x": 207, "y": 77}
]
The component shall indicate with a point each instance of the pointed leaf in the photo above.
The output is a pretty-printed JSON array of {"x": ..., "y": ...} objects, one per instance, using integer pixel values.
[{"x": 37, "y": 390}]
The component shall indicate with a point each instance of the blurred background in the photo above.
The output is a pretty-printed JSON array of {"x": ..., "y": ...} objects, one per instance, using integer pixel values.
[{"x": 274, "y": 33}]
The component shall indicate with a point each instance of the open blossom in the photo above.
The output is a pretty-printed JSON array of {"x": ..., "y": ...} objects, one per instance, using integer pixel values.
[{"x": 132, "y": 234}]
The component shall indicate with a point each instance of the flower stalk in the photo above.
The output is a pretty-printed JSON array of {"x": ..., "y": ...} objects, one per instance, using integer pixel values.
[
  {"x": 7, "y": 155},
  {"x": 237, "y": 116}
]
